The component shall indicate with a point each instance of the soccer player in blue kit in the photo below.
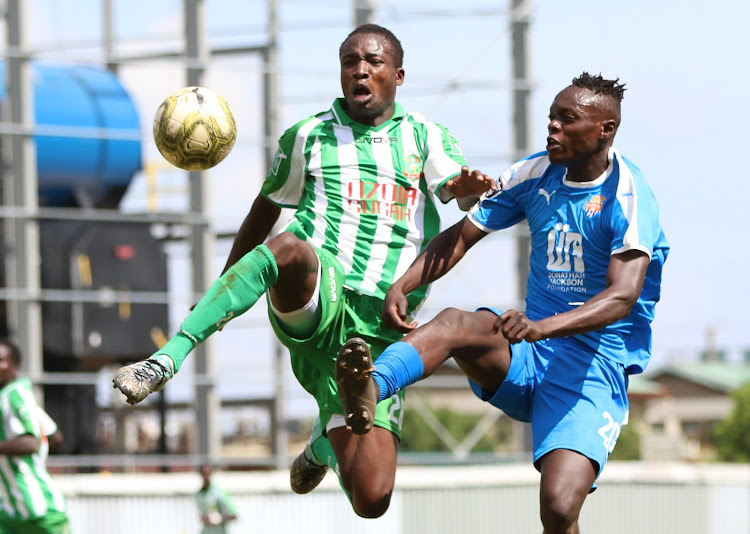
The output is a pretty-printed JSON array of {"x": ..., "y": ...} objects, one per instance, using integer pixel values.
[{"x": 597, "y": 251}]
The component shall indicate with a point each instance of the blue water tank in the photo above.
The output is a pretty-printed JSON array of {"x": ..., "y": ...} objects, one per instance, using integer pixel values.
[{"x": 69, "y": 168}]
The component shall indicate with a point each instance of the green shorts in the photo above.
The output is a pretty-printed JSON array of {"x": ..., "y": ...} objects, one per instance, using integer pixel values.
[
  {"x": 53, "y": 522},
  {"x": 345, "y": 313}
]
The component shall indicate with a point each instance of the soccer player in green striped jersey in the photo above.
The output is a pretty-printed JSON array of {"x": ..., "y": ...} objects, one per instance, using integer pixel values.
[
  {"x": 364, "y": 178},
  {"x": 215, "y": 505},
  {"x": 30, "y": 501}
]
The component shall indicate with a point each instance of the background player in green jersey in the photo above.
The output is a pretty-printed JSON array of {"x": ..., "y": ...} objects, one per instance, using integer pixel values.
[
  {"x": 30, "y": 501},
  {"x": 214, "y": 504},
  {"x": 364, "y": 178}
]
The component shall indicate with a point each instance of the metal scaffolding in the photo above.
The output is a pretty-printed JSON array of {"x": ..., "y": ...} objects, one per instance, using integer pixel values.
[{"x": 22, "y": 214}]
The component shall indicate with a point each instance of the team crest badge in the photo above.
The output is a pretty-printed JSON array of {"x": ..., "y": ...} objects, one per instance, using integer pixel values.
[
  {"x": 277, "y": 159},
  {"x": 594, "y": 205},
  {"x": 413, "y": 167}
]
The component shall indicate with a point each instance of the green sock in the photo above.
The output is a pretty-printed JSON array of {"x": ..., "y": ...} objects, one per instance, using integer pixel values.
[
  {"x": 322, "y": 452},
  {"x": 230, "y": 296}
]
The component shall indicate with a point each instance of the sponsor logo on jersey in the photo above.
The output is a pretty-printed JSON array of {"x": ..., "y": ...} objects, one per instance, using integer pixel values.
[
  {"x": 388, "y": 200},
  {"x": 594, "y": 205},
  {"x": 413, "y": 167},
  {"x": 565, "y": 265}
]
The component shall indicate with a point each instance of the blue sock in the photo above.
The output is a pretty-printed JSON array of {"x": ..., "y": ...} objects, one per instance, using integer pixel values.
[{"x": 397, "y": 367}]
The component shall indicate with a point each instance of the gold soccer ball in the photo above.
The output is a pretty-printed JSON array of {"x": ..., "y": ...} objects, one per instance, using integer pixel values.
[{"x": 194, "y": 129}]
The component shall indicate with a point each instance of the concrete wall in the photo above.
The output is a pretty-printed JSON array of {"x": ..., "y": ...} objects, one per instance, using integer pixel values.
[{"x": 632, "y": 497}]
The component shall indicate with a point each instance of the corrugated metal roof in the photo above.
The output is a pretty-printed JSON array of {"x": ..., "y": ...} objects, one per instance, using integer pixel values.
[
  {"x": 721, "y": 376},
  {"x": 640, "y": 385}
]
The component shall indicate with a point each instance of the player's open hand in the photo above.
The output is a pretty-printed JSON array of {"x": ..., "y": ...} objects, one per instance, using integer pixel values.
[
  {"x": 516, "y": 327},
  {"x": 470, "y": 184},
  {"x": 394, "y": 311}
]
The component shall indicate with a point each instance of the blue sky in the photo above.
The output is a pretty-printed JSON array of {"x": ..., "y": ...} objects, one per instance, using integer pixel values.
[{"x": 682, "y": 123}]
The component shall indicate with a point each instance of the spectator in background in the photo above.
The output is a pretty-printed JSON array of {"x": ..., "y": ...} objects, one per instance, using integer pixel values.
[{"x": 214, "y": 504}]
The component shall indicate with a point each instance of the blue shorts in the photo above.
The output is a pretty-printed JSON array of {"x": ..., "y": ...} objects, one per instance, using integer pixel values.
[{"x": 574, "y": 398}]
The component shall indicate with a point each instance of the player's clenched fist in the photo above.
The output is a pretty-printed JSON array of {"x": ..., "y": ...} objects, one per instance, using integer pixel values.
[{"x": 516, "y": 327}]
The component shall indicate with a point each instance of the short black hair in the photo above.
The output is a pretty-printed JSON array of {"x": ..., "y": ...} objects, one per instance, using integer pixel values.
[
  {"x": 600, "y": 86},
  {"x": 15, "y": 352},
  {"x": 398, "y": 50}
]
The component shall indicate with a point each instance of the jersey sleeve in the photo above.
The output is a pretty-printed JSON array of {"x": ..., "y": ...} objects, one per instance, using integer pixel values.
[
  {"x": 226, "y": 504},
  {"x": 444, "y": 159},
  {"x": 635, "y": 216},
  {"x": 501, "y": 209},
  {"x": 285, "y": 181},
  {"x": 22, "y": 416},
  {"x": 47, "y": 425}
]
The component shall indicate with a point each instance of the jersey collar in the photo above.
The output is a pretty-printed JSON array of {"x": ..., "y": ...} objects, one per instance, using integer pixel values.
[
  {"x": 598, "y": 181},
  {"x": 23, "y": 382},
  {"x": 345, "y": 120}
]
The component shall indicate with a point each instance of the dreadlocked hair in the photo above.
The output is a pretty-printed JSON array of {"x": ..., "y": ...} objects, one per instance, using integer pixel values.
[{"x": 601, "y": 86}]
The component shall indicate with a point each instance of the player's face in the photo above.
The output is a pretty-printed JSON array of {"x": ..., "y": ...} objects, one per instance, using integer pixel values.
[
  {"x": 369, "y": 78},
  {"x": 578, "y": 126},
  {"x": 8, "y": 368},
  {"x": 206, "y": 471}
]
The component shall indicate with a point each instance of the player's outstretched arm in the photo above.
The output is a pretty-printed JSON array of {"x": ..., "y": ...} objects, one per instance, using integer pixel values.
[
  {"x": 442, "y": 253},
  {"x": 625, "y": 276},
  {"x": 468, "y": 186},
  {"x": 19, "y": 445},
  {"x": 254, "y": 229}
]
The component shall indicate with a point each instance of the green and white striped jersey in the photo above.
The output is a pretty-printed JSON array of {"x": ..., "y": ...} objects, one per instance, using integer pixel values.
[
  {"x": 366, "y": 194},
  {"x": 26, "y": 488},
  {"x": 215, "y": 502}
]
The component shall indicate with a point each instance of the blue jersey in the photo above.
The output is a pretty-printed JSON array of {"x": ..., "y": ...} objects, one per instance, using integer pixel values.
[{"x": 575, "y": 229}]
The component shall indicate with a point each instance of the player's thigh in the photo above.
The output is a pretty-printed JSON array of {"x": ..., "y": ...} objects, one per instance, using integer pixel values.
[
  {"x": 365, "y": 459},
  {"x": 567, "y": 476},
  {"x": 477, "y": 346},
  {"x": 297, "y": 264},
  {"x": 376, "y": 451}
]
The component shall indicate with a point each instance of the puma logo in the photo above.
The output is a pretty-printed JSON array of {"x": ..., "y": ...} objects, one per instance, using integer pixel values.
[{"x": 546, "y": 195}]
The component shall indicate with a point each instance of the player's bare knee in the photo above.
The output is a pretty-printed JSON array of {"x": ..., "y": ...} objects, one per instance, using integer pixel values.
[
  {"x": 459, "y": 326},
  {"x": 292, "y": 254},
  {"x": 555, "y": 523},
  {"x": 449, "y": 316},
  {"x": 371, "y": 504},
  {"x": 559, "y": 509},
  {"x": 284, "y": 247},
  {"x": 370, "y": 496},
  {"x": 450, "y": 320},
  {"x": 441, "y": 334}
]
